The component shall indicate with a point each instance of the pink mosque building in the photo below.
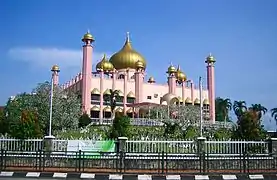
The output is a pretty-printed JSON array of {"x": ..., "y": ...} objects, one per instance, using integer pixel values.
[{"x": 125, "y": 71}]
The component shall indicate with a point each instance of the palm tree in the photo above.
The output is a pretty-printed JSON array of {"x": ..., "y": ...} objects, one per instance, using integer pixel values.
[
  {"x": 223, "y": 106},
  {"x": 259, "y": 109},
  {"x": 112, "y": 99},
  {"x": 274, "y": 113},
  {"x": 239, "y": 108}
]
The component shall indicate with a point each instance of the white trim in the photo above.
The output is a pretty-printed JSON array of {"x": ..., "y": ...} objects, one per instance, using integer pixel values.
[
  {"x": 59, "y": 175},
  {"x": 115, "y": 176},
  {"x": 87, "y": 176},
  {"x": 256, "y": 176},
  {"x": 144, "y": 177},
  {"x": 6, "y": 174},
  {"x": 201, "y": 177},
  {"x": 229, "y": 177},
  {"x": 173, "y": 177},
  {"x": 33, "y": 174}
]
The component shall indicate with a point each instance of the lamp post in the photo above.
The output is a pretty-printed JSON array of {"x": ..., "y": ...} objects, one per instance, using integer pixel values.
[
  {"x": 51, "y": 107},
  {"x": 201, "y": 105}
]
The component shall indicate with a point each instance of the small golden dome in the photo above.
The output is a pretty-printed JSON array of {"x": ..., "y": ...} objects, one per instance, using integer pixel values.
[
  {"x": 120, "y": 93},
  {"x": 139, "y": 65},
  {"x": 131, "y": 95},
  {"x": 206, "y": 102},
  {"x": 196, "y": 101},
  {"x": 88, "y": 36},
  {"x": 104, "y": 65},
  {"x": 210, "y": 59},
  {"x": 180, "y": 76},
  {"x": 95, "y": 91},
  {"x": 130, "y": 110},
  {"x": 171, "y": 69},
  {"x": 95, "y": 108},
  {"x": 180, "y": 99},
  {"x": 107, "y": 92},
  {"x": 188, "y": 101},
  {"x": 55, "y": 68},
  {"x": 118, "y": 109},
  {"x": 127, "y": 57},
  {"x": 151, "y": 80},
  {"x": 169, "y": 98},
  {"x": 107, "y": 109}
]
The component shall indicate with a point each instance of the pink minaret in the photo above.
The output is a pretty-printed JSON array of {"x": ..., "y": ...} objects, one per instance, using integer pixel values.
[
  {"x": 114, "y": 73},
  {"x": 171, "y": 79},
  {"x": 192, "y": 91},
  {"x": 139, "y": 75},
  {"x": 101, "y": 72},
  {"x": 184, "y": 91},
  {"x": 55, "y": 74},
  {"x": 125, "y": 92},
  {"x": 210, "y": 60},
  {"x": 86, "y": 72}
]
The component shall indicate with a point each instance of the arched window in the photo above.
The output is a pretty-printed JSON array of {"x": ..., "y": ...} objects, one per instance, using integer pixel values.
[{"x": 121, "y": 76}]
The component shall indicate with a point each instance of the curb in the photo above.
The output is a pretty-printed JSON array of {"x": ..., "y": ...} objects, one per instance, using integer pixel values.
[{"x": 87, "y": 176}]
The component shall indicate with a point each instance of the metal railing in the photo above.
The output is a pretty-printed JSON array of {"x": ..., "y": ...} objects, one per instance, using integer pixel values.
[{"x": 142, "y": 163}]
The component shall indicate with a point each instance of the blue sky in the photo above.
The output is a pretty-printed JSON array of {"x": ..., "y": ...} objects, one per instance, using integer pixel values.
[{"x": 241, "y": 34}]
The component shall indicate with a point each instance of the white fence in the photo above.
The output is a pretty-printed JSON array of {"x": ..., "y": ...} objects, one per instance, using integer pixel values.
[
  {"x": 158, "y": 122},
  {"x": 148, "y": 146}
]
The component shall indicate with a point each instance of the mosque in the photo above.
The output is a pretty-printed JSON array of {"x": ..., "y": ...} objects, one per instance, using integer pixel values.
[{"x": 125, "y": 73}]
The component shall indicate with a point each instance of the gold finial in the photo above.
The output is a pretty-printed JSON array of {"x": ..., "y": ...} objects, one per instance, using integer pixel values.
[
  {"x": 88, "y": 31},
  {"x": 55, "y": 68},
  {"x": 104, "y": 56},
  {"x": 128, "y": 36},
  {"x": 178, "y": 68},
  {"x": 210, "y": 59}
]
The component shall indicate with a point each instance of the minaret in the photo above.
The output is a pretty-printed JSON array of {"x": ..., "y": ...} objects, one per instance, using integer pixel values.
[
  {"x": 139, "y": 75},
  {"x": 171, "y": 79},
  {"x": 210, "y": 60},
  {"x": 55, "y": 75},
  {"x": 88, "y": 39}
]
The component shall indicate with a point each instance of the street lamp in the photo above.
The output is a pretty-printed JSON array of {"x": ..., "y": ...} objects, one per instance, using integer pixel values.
[{"x": 201, "y": 105}]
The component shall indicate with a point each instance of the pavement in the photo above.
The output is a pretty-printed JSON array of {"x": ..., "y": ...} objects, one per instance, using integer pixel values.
[{"x": 89, "y": 176}]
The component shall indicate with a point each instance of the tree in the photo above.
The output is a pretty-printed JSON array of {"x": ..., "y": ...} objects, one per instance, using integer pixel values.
[
  {"x": 249, "y": 127},
  {"x": 84, "y": 120},
  {"x": 3, "y": 122},
  {"x": 112, "y": 99},
  {"x": 258, "y": 109},
  {"x": 239, "y": 107},
  {"x": 25, "y": 127},
  {"x": 66, "y": 107},
  {"x": 274, "y": 114},
  {"x": 121, "y": 127},
  {"x": 222, "y": 106}
]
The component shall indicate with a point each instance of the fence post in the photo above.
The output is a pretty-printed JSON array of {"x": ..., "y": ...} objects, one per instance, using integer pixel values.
[
  {"x": 201, "y": 150},
  {"x": 2, "y": 159},
  {"x": 122, "y": 150},
  {"x": 48, "y": 144},
  {"x": 272, "y": 146}
]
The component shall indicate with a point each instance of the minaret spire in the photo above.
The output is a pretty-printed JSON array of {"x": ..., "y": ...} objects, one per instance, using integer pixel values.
[{"x": 128, "y": 37}]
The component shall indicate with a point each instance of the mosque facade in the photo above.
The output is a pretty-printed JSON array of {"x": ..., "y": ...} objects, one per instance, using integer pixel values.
[{"x": 125, "y": 73}]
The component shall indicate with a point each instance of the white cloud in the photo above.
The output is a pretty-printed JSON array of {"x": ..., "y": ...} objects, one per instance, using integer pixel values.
[{"x": 47, "y": 57}]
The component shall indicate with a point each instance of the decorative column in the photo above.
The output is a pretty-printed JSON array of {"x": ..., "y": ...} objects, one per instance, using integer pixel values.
[
  {"x": 114, "y": 79},
  {"x": 184, "y": 91},
  {"x": 55, "y": 74},
  {"x": 139, "y": 75},
  {"x": 125, "y": 93},
  {"x": 192, "y": 88},
  {"x": 101, "y": 72},
  {"x": 86, "y": 72},
  {"x": 171, "y": 79},
  {"x": 210, "y": 61}
]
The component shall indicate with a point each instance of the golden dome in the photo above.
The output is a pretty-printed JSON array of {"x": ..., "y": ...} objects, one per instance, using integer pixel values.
[
  {"x": 188, "y": 101},
  {"x": 180, "y": 76},
  {"x": 151, "y": 80},
  {"x": 107, "y": 109},
  {"x": 130, "y": 110},
  {"x": 107, "y": 92},
  {"x": 169, "y": 98},
  {"x": 95, "y": 108},
  {"x": 118, "y": 109},
  {"x": 180, "y": 99},
  {"x": 95, "y": 91},
  {"x": 104, "y": 65},
  {"x": 210, "y": 59},
  {"x": 197, "y": 101},
  {"x": 88, "y": 36},
  {"x": 55, "y": 68},
  {"x": 139, "y": 65},
  {"x": 131, "y": 95},
  {"x": 120, "y": 93},
  {"x": 127, "y": 57},
  {"x": 206, "y": 102},
  {"x": 171, "y": 69}
]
